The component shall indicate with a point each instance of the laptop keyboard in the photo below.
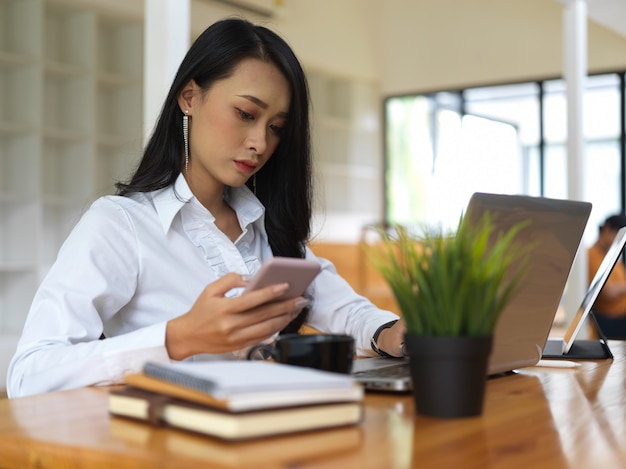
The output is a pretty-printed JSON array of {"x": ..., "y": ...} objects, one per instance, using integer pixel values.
[{"x": 401, "y": 370}]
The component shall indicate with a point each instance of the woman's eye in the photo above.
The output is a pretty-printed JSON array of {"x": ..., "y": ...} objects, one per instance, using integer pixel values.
[
  {"x": 245, "y": 115},
  {"x": 276, "y": 129}
]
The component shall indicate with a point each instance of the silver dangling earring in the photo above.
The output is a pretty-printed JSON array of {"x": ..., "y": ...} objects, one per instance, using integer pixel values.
[{"x": 186, "y": 139}]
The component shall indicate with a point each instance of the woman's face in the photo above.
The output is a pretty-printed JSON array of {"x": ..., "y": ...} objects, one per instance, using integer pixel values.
[{"x": 235, "y": 126}]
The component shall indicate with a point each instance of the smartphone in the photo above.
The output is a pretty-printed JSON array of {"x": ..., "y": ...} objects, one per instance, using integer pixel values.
[{"x": 298, "y": 273}]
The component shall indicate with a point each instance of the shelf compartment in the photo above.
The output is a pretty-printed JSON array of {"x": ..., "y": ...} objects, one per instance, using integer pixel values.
[
  {"x": 119, "y": 48},
  {"x": 18, "y": 233},
  {"x": 119, "y": 112},
  {"x": 68, "y": 104},
  {"x": 15, "y": 37},
  {"x": 16, "y": 294},
  {"x": 69, "y": 37},
  {"x": 17, "y": 82},
  {"x": 18, "y": 166},
  {"x": 334, "y": 145},
  {"x": 113, "y": 164},
  {"x": 58, "y": 221},
  {"x": 350, "y": 192},
  {"x": 10, "y": 59},
  {"x": 66, "y": 170},
  {"x": 331, "y": 96}
]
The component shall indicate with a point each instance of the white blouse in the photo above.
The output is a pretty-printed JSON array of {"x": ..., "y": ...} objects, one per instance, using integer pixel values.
[{"x": 133, "y": 263}]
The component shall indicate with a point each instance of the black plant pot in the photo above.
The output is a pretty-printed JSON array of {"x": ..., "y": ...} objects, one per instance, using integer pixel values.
[{"x": 449, "y": 374}]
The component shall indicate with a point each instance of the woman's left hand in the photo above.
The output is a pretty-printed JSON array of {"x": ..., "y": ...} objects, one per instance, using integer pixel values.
[{"x": 391, "y": 340}]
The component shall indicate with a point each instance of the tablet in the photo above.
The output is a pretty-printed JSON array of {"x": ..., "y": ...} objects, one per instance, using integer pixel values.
[
  {"x": 570, "y": 346},
  {"x": 602, "y": 275}
]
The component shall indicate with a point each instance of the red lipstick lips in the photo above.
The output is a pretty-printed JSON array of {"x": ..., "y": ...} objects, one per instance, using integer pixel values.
[{"x": 246, "y": 166}]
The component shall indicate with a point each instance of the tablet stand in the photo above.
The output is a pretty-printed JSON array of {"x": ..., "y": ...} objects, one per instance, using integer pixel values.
[{"x": 581, "y": 348}]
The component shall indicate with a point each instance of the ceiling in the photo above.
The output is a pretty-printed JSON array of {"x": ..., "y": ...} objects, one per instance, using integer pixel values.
[{"x": 608, "y": 13}]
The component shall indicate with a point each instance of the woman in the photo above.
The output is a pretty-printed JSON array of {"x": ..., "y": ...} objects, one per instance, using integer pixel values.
[{"x": 156, "y": 271}]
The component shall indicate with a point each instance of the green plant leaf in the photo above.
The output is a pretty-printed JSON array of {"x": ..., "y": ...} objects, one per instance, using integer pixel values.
[{"x": 451, "y": 283}]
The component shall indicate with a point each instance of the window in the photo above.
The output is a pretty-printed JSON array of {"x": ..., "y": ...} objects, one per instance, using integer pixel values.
[{"x": 511, "y": 138}]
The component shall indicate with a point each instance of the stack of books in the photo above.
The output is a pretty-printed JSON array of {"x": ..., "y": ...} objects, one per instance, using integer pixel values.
[{"x": 238, "y": 400}]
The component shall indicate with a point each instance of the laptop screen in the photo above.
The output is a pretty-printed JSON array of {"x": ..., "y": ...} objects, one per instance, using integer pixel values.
[{"x": 552, "y": 230}]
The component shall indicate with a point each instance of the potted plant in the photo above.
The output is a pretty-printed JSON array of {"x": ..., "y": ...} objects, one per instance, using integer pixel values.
[{"x": 450, "y": 286}]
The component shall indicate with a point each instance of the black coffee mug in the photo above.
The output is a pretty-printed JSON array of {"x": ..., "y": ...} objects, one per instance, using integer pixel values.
[{"x": 329, "y": 352}]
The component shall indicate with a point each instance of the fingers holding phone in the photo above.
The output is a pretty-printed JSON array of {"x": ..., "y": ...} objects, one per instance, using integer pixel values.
[
  {"x": 217, "y": 324},
  {"x": 271, "y": 279},
  {"x": 297, "y": 273}
]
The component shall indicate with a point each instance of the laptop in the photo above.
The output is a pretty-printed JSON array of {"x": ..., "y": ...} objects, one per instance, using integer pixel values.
[
  {"x": 555, "y": 230},
  {"x": 572, "y": 347}
]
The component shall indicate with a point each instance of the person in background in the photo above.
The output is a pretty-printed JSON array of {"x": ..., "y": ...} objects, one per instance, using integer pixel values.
[
  {"x": 610, "y": 307},
  {"x": 155, "y": 272}
]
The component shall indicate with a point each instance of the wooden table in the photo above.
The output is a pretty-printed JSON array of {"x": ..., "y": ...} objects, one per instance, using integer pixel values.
[{"x": 553, "y": 417}]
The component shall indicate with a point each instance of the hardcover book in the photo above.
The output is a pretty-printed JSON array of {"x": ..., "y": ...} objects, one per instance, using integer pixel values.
[
  {"x": 158, "y": 409},
  {"x": 287, "y": 450}
]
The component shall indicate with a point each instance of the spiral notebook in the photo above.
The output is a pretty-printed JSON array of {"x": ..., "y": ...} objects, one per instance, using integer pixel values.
[
  {"x": 555, "y": 231},
  {"x": 240, "y": 385}
]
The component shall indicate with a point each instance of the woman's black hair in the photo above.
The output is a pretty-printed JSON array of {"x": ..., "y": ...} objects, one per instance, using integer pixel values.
[{"x": 283, "y": 185}]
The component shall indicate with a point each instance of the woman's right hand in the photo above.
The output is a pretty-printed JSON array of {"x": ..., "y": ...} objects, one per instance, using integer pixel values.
[{"x": 217, "y": 324}]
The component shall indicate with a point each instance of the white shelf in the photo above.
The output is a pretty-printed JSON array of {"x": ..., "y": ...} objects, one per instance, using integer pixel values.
[
  {"x": 109, "y": 121},
  {"x": 68, "y": 102},
  {"x": 70, "y": 126},
  {"x": 63, "y": 135},
  {"x": 57, "y": 222},
  {"x": 11, "y": 129},
  {"x": 114, "y": 162},
  {"x": 68, "y": 36},
  {"x": 21, "y": 25},
  {"x": 353, "y": 171},
  {"x": 10, "y": 59},
  {"x": 19, "y": 91},
  {"x": 347, "y": 154},
  {"x": 19, "y": 234},
  {"x": 16, "y": 293},
  {"x": 19, "y": 155},
  {"x": 114, "y": 56},
  {"x": 115, "y": 79},
  {"x": 63, "y": 70},
  {"x": 62, "y": 163}
]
